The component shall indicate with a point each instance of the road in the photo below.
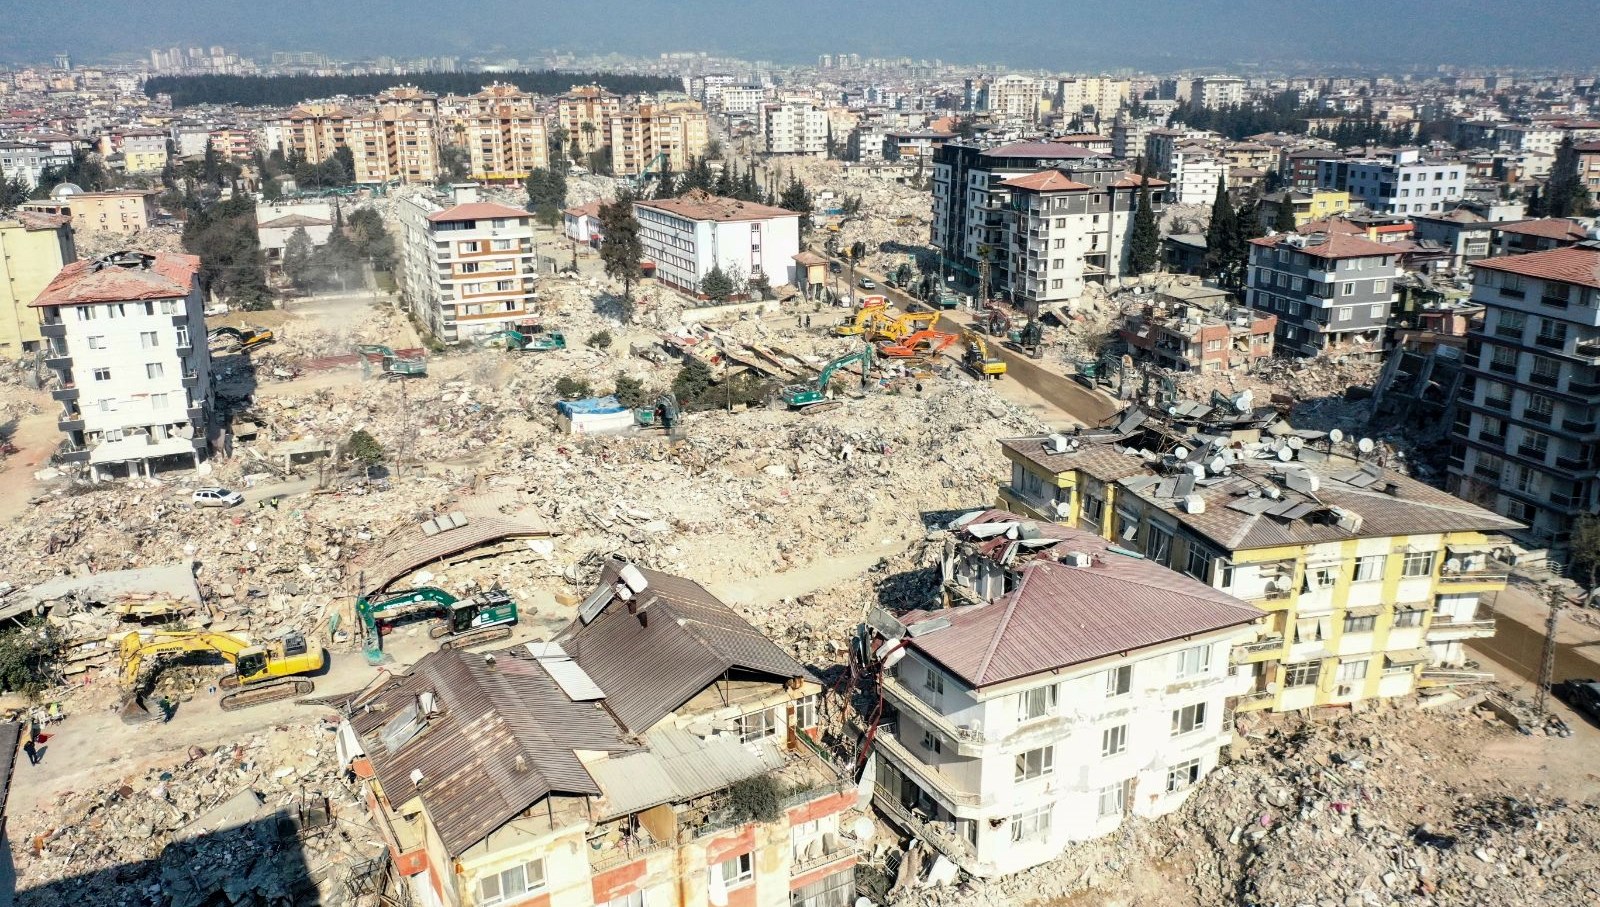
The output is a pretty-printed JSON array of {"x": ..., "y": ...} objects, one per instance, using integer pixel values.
[
  {"x": 1518, "y": 641},
  {"x": 1086, "y": 406}
]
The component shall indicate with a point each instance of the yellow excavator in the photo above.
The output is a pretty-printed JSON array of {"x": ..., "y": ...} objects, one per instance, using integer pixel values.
[
  {"x": 903, "y": 326},
  {"x": 979, "y": 359},
  {"x": 871, "y": 311},
  {"x": 261, "y": 673}
]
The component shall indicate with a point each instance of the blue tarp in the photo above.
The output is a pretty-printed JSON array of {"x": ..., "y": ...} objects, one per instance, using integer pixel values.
[{"x": 593, "y": 406}]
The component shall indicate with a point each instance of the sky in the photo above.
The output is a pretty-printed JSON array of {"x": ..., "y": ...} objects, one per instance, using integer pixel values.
[{"x": 1060, "y": 35}]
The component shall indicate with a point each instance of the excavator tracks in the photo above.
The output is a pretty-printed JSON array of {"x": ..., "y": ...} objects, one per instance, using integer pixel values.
[
  {"x": 811, "y": 409},
  {"x": 246, "y": 697},
  {"x": 477, "y": 637}
]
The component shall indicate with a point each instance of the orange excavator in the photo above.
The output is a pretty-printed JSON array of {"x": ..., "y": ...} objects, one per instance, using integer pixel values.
[
  {"x": 903, "y": 326},
  {"x": 927, "y": 343}
]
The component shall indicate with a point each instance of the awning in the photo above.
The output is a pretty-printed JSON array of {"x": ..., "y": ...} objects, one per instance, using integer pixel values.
[
  {"x": 1408, "y": 657},
  {"x": 1364, "y": 611}
]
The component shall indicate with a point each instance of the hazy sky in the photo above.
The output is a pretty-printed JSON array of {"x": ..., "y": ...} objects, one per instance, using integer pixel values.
[{"x": 1057, "y": 34}]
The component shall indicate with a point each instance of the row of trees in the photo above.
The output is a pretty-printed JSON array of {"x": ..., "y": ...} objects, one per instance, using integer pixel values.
[
  {"x": 283, "y": 91},
  {"x": 336, "y": 262},
  {"x": 1228, "y": 237}
]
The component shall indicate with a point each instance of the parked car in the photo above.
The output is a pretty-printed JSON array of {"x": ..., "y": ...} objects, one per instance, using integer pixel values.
[
  {"x": 1582, "y": 695},
  {"x": 835, "y": 268},
  {"x": 866, "y": 283},
  {"x": 216, "y": 497}
]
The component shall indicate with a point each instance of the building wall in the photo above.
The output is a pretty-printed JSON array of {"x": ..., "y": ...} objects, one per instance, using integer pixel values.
[
  {"x": 684, "y": 250},
  {"x": 29, "y": 260},
  {"x": 1322, "y": 302}
]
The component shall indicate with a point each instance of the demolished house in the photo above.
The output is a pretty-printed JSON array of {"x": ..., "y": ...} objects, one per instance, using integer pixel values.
[{"x": 659, "y": 750}]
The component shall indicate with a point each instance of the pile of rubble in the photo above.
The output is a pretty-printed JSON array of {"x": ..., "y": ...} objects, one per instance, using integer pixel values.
[
  {"x": 895, "y": 215},
  {"x": 267, "y": 820}
]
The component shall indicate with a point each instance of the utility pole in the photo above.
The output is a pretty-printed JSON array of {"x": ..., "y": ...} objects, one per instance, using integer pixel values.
[{"x": 1547, "y": 661}]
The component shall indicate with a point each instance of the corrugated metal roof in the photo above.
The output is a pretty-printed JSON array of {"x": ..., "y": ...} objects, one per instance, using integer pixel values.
[
  {"x": 681, "y": 638},
  {"x": 489, "y": 519},
  {"x": 680, "y": 766}
]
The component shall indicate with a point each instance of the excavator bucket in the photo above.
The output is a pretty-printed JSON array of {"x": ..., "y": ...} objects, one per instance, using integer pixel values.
[{"x": 134, "y": 711}]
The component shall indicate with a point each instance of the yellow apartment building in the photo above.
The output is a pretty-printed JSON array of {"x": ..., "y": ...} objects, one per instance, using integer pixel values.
[{"x": 33, "y": 249}]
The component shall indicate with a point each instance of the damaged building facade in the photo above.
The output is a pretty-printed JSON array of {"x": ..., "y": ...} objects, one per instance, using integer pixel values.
[
  {"x": 658, "y": 751},
  {"x": 1069, "y": 685},
  {"x": 1371, "y": 580},
  {"x": 469, "y": 269}
]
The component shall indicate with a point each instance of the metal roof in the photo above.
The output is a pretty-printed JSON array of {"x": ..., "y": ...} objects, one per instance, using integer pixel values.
[
  {"x": 489, "y": 519},
  {"x": 680, "y": 766}
]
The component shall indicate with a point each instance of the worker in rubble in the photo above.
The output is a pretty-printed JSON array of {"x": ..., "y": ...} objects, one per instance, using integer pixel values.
[{"x": 31, "y": 750}]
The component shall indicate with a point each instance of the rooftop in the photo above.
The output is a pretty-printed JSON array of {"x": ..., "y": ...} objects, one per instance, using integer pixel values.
[
  {"x": 476, "y": 211},
  {"x": 1048, "y": 150},
  {"x": 1045, "y": 181},
  {"x": 1578, "y": 264},
  {"x": 120, "y": 277},
  {"x": 290, "y": 221},
  {"x": 1558, "y": 228},
  {"x": 701, "y": 205},
  {"x": 1332, "y": 246}
]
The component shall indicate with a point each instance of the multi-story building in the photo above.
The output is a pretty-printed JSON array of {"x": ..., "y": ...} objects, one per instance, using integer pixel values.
[
  {"x": 1519, "y": 237},
  {"x": 1462, "y": 232},
  {"x": 312, "y": 131},
  {"x": 623, "y": 762},
  {"x": 585, "y": 113},
  {"x": 1307, "y": 205},
  {"x": 398, "y": 140},
  {"x": 125, "y": 211},
  {"x": 657, "y": 138},
  {"x": 27, "y": 161},
  {"x": 1198, "y": 334},
  {"x": 143, "y": 150},
  {"x": 1301, "y": 168},
  {"x": 1527, "y": 436},
  {"x": 33, "y": 249},
  {"x": 233, "y": 142},
  {"x": 1196, "y": 171},
  {"x": 1402, "y": 182},
  {"x": 795, "y": 127},
  {"x": 125, "y": 336},
  {"x": 505, "y": 135},
  {"x": 1070, "y": 685},
  {"x": 468, "y": 269},
  {"x": 1216, "y": 91},
  {"x": 1102, "y": 95},
  {"x": 742, "y": 100},
  {"x": 1589, "y": 166},
  {"x": 913, "y": 147},
  {"x": 1013, "y": 98},
  {"x": 1368, "y": 578},
  {"x": 1330, "y": 291},
  {"x": 866, "y": 143},
  {"x": 688, "y": 236}
]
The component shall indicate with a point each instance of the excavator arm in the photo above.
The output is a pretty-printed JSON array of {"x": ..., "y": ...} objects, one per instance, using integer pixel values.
[{"x": 137, "y": 648}]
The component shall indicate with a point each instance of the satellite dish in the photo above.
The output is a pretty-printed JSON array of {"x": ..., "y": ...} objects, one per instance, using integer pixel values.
[
  {"x": 1366, "y": 445},
  {"x": 1182, "y": 453},
  {"x": 1295, "y": 443},
  {"x": 1335, "y": 436},
  {"x": 1285, "y": 454}
]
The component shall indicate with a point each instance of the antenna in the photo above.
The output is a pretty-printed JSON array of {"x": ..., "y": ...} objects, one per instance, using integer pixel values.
[
  {"x": 1182, "y": 453},
  {"x": 1366, "y": 445}
]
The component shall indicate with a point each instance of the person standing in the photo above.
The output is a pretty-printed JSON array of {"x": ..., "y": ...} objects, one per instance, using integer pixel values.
[{"x": 31, "y": 750}]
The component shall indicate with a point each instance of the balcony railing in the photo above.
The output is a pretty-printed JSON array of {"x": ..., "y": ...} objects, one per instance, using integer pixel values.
[
  {"x": 1554, "y": 302},
  {"x": 952, "y": 846},
  {"x": 1579, "y": 428},
  {"x": 623, "y": 854},
  {"x": 1444, "y": 624},
  {"x": 800, "y": 867},
  {"x": 1490, "y": 572},
  {"x": 1548, "y": 342},
  {"x": 927, "y": 778},
  {"x": 1250, "y": 651},
  {"x": 903, "y": 698}
]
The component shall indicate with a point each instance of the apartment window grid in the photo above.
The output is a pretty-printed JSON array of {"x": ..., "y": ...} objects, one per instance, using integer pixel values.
[
  {"x": 511, "y": 884},
  {"x": 1037, "y": 703},
  {"x": 1188, "y": 719},
  {"x": 1033, "y": 825}
]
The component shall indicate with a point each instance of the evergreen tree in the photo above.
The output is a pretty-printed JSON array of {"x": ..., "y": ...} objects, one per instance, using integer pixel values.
[
  {"x": 1247, "y": 226},
  {"x": 1144, "y": 246},
  {"x": 1221, "y": 234},
  {"x": 297, "y": 259},
  {"x": 1564, "y": 193},
  {"x": 1283, "y": 221},
  {"x": 621, "y": 248},
  {"x": 1536, "y": 204},
  {"x": 547, "y": 195},
  {"x": 13, "y": 192},
  {"x": 716, "y": 284},
  {"x": 724, "y": 183},
  {"x": 797, "y": 198}
]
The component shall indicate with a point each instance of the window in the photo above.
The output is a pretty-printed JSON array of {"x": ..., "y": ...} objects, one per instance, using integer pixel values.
[
  {"x": 1378, "y": 286},
  {"x": 510, "y": 884},
  {"x": 1119, "y": 681},
  {"x": 102, "y": 374},
  {"x": 1033, "y": 825},
  {"x": 1305, "y": 674},
  {"x": 1536, "y": 443},
  {"x": 1183, "y": 776},
  {"x": 86, "y": 312},
  {"x": 1347, "y": 288},
  {"x": 1545, "y": 371},
  {"x": 1093, "y": 509},
  {"x": 183, "y": 335},
  {"x": 807, "y": 711},
  {"x": 1418, "y": 563},
  {"x": 1036, "y": 703},
  {"x": 1127, "y": 526},
  {"x": 1370, "y": 568},
  {"x": 1345, "y": 312},
  {"x": 1354, "y": 624},
  {"x": 1158, "y": 546},
  {"x": 736, "y": 871},
  {"x": 931, "y": 742},
  {"x": 1114, "y": 799},
  {"x": 1188, "y": 719},
  {"x": 147, "y": 340},
  {"x": 933, "y": 681},
  {"x": 1035, "y": 763},
  {"x": 1192, "y": 662},
  {"x": 1198, "y": 563},
  {"x": 97, "y": 343},
  {"x": 758, "y": 725},
  {"x": 1351, "y": 671},
  {"x": 169, "y": 307},
  {"x": 1114, "y": 741},
  {"x": 633, "y": 899},
  {"x": 1377, "y": 310},
  {"x": 154, "y": 370},
  {"x": 158, "y": 401},
  {"x": 1411, "y": 617}
]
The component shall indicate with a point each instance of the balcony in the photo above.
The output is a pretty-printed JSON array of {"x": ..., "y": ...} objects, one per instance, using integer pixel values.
[
  {"x": 799, "y": 866},
  {"x": 53, "y": 329},
  {"x": 70, "y": 424},
  {"x": 935, "y": 833},
  {"x": 1504, "y": 368},
  {"x": 1554, "y": 302},
  {"x": 1532, "y": 453},
  {"x": 1576, "y": 427},
  {"x": 624, "y": 852},
  {"x": 1572, "y": 464},
  {"x": 1542, "y": 380},
  {"x": 1260, "y": 650},
  {"x": 1529, "y": 415},
  {"x": 69, "y": 392},
  {"x": 956, "y": 800},
  {"x": 57, "y": 359},
  {"x": 1444, "y": 628},
  {"x": 190, "y": 380},
  {"x": 1253, "y": 701},
  {"x": 1496, "y": 440},
  {"x": 1548, "y": 342},
  {"x": 1491, "y": 572},
  {"x": 969, "y": 742},
  {"x": 1497, "y": 403}
]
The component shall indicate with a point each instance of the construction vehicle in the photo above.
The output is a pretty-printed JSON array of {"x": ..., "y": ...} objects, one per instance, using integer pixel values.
[
  {"x": 666, "y": 413},
  {"x": 262, "y": 674},
  {"x": 813, "y": 398},
  {"x": 872, "y": 310},
  {"x": 392, "y": 364},
  {"x": 247, "y": 339},
  {"x": 947, "y": 300},
  {"x": 1029, "y": 340},
  {"x": 903, "y": 326},
  {"x": 922, "y": 343},
  {"x": 519, "y": 342},
  {"x": 465, "y": 621},
  {"x": 979, "y": 359}
]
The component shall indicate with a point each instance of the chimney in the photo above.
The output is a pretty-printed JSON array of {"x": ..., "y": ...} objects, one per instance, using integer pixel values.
[{"x": 464, "y": 193}]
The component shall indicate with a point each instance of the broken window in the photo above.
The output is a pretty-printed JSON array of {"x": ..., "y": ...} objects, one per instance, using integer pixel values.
[
  {"x": 758, "y": 725},
  {"x": 1035, "y": 763},
  {"x": 1114, "y": 799},
  {"x": 1183, "y": 776},
  {"x": 1119, "y": 681},
  {"x": 1033, "y": 825}
]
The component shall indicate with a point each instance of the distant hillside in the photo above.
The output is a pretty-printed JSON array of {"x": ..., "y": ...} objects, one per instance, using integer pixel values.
[{"x": 281, "y": 91}]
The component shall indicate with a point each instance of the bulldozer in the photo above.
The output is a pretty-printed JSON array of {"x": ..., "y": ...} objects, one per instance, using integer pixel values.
[
  {"x": 979, "y": 359},
  {"x": 460, "y": 621},
  {"x": 261, "y": 673}
]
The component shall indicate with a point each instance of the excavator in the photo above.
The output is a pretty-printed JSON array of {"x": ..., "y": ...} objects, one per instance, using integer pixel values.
[
  {"x": 904, "y": 326},
  {"x": 926, "y": 343},
  {"x": 393, "y": 365},
  {"x": 813, "y": 398},
  {"x": 261, "y": 673},
  {"x": 873, "y": 309},
  {"x": 979, "y": 359},
  {"x": 518, "y": 342},
  {"x": 466, "y": 621},
  {"x": 248, "y": 339}
]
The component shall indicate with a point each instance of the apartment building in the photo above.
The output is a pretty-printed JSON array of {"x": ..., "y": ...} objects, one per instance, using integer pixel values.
[
  {"x": 615, "y": 764},
  {"x": 398, "y": 140},
  {"x": 1201, "y": 333},
  {"x": 1196, "y": 171},
  {"x": 585, "y": 113},
  {"x": 1104, "y": 96},
  {"x": 913, "y": 146},
  {"x": 33, "y": 249},
  {"x": 688, "y": 236},
  {"x": 1519, "y": 237},
  {"x": 1332, "y": 292},
  {"x": 233, "y": 143},
  {"x": 124, "y": 211},
  {"x": 505, "y": 135},
  {"x": 1463, "y": 233},
  {"x": 657, "y": 138},
  {"x": 1370, "y": 580},
  {"x": 742, "y": 100},
  {"x": 1306, "y": 205},
  {"x": 1068, "y": 686},
  {"x": 134, "y": 384},
  {"x": 27, "y": 161},
  {"x": 795, "y": 127},
  {"x": 143, "y": 150},
  {"x": 1401, "y": 182},
  {"x": 1216, "y": 91},
  {"x": 1128, "y": 137},
  {"x": 467, "y": 269},
  {"x": 1589, "y": 166},
  {"x": 312, "y": 131},
  {"x": 1526, "y": 442},
  {"x": 1013, "y": 99}
]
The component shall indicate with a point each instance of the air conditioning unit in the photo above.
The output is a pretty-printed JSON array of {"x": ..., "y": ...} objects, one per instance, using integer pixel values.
[{"x": 1345, "y": 689}]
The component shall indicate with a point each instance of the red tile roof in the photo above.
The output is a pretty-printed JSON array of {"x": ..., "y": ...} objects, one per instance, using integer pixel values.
[
  {"x": 1134, "y": 181},
  {"x": 700, "y": 205},
  {"x": 168, "y": 276},
  {"x": 1045, "y": 181},
  {"x": 476, "y": 211},
  {"x": 1570, "y": 265},
  {"x": 590, "y": 209},
  {"x": 1546, "y": 227},
  {"x": 1336, "y": 245}
]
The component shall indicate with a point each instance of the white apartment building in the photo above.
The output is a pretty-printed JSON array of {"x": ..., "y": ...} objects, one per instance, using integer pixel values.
[
  {"x": 1069, "y": 687},
  {"x": 1402, "y": 182},
  {"x": 1525, "y": 138},
  {"x": 1106, "y": 96},
  {"x": 1014, "y": 99},
  {"x": 125, "y": 336},
  {"x": 1195, "y": 173},
  {"x": 742, "y": 100},
  {"x": 795, "y": 127},
  {"x": 28, "y": 160},
  {"x": 686, "y": 237},
  {"x": 469, "y": 269},
  {"x": 1216, "y": 91},
  {"x": 1526, "y": 442}
]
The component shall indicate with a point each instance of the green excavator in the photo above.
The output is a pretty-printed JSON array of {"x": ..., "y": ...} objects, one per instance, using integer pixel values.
[
  {"x": 813, "y": 398},
  {"x": 393, "y": 365},
  {"x": 519, "y": 342},
  {"x": 461, "y": 622}
]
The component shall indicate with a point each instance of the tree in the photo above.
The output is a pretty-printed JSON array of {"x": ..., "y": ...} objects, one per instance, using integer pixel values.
[
  {"x": 223, "y": 234},
  {"x": 362, "y": 447},
  {"x": 455, "y": 165},
  {"x": 1144, "y": 246},
  {"x": 797, "y": 198},
  {"x": 621, "y": 248},
  {"x": 760, "y": 286},
  {"x": 28, "y": 656},
  {"x": 14, "y": 191},
  {"x": 547, "y": 195},
  {"x": 716, "y": 284},
  {"x": 1565, "y": 194},
  {"x": 1283, "y": 220},
  {"x": 1585, "y": 546},
  {"x": 1221, "y": 235},
  {"x": 630, "y": 392},
  {"x": 570, "y": 388},
  {"x": 270, "y": 190},
  {"x": 371, "y": 238},
  {"x": 600, "y": 340},
  {"x": 557, "y": 143},
  {"x": 692, "y": 381},
  {"x": 297, "y": 259}
]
